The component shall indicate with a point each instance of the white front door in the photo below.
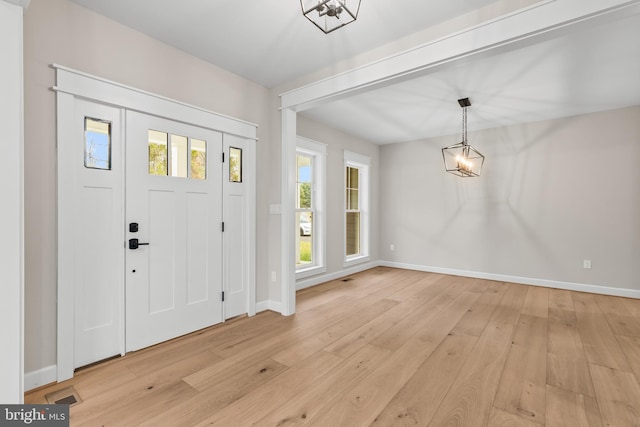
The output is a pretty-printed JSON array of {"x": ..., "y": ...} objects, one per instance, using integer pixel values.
[
  {"x": 173, "y": 229},
  {"x": 120, "y": 171},
  {"x": 94, "y": 214}
]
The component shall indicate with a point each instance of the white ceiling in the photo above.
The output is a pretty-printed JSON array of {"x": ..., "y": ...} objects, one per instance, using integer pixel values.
[
  {"x": 270, "y": 42},
  {"x": 592, "y": 70}
]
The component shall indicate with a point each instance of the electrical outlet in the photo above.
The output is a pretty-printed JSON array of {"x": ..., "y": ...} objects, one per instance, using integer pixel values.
[
  {"x": 586, "y": 264},
  {"x": 392, "y": 247},
  {"x": 273, "y": 276}
]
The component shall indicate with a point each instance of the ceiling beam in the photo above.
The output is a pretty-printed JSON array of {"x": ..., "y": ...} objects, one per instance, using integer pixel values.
[{"x": 542, "y": 21}]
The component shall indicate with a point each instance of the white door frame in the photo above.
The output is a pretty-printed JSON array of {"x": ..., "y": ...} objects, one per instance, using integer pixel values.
[
  {"x": 541, "y": 21},
  {"x": 71, "y": 84}
]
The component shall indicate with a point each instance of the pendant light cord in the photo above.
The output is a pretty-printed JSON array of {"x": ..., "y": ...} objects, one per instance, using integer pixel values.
[{"x": 464, "y": 125}]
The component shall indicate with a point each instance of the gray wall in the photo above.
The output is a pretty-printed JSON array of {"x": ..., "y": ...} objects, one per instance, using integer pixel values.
[
  {"x": 58, "y": 31},
  {"x": 338, "y": 142},
  {"x": 552, "y": 194}
]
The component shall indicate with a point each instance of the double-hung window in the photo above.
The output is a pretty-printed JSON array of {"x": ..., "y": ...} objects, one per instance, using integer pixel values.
[
  {"x": 310, "y": 207},
  {"x": 356, "y": 218}
]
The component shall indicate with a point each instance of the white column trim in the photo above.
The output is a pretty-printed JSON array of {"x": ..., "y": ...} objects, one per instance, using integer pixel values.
[
  {"x": 288, "y": 268},
  {"x": 12, "y": 213}
]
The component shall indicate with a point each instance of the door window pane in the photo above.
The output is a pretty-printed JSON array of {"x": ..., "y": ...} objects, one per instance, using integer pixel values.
[
  {"x": 158, "y": 153},
  {"x": 179, "y": 157},
  {"x": 97, "y": 144},
  {"x": 235, "y": 164},
  {"x": 198, "y": 159}
]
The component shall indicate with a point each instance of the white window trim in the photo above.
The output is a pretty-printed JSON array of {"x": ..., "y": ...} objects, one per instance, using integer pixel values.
[
  {"x": 318, "y": 151},
  {"x": 363, "y": 164}
]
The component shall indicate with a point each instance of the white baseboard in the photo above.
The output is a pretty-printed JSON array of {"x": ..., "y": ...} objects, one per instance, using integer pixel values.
[
  {"x": 322, "y": 278},
  {"x": 269, "y": 305},
  {"x": 570, "y": 286},
  {"x": 44, "y": 376}
]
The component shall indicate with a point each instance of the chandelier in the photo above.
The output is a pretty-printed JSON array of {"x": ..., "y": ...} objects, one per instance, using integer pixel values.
[
  {"x": 461, "y": 159},
  {"x": 329, "y": 15}
]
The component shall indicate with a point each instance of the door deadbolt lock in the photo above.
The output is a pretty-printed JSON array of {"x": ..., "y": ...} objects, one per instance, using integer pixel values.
[
  {"x": 133, "y": 227},
  {"x": 134, "y": 244}
]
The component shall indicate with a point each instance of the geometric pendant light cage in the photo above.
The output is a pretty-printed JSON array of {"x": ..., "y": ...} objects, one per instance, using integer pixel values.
[
  {"x": 329, "y": 15},
  {"x": 462, "y": 159}
]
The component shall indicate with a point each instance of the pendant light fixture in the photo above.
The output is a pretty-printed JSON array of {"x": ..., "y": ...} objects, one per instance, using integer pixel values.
[
  {"x": 329, "y": 15},
  {"x": 461, "y": 159}
]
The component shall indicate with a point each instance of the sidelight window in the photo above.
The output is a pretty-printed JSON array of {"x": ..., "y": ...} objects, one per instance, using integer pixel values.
[
  {"x": 235, "y": 164},
  {"x": 97, "y": 144}
]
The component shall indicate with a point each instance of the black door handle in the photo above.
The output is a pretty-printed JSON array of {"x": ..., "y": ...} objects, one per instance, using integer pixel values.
[{"x": 134, "y": 243}]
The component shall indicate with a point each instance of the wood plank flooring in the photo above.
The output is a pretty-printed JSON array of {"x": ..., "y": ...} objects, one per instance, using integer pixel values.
[{"x": 389, "y": 347}]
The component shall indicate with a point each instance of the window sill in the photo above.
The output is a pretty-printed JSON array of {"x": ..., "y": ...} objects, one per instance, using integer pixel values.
[
  {"x": 310, "y": 271},
  {"x": 356, "y": 260}
]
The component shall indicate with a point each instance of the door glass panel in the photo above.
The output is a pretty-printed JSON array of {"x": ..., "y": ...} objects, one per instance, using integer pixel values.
[
  {"x": 158, "y": 153},
  {"x": 97, "y": 144},
  {"x": 235, "y": 164},
  {"x": 179, "y": 160},
  {"x": 198, "y": 159}
]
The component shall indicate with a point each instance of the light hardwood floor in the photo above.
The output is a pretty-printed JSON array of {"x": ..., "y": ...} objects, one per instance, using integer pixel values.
[{"x": 389, "y": 347}]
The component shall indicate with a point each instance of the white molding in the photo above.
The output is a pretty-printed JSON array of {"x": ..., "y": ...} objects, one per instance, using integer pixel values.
[
  {"x": 302, "y": 284},
  {"x": 12, "y": 211},
  {"x": 311, "y": 271},
  {"x": 311, "y": 145},
  {"x": 540, "y": 21},
  {"x": 44, "y": 376},
  {"x": 318, "y": 151},
  {"x": 65, "y": 107},
  {"x": 363, "y": 164},
  {"x": 356, "y": 260},
  {"x": 570, "y": 286},
  {"x": 106, "y": 91},
  {"x": 269, "y": 305},
  {"x": 287, "y": 213},
  {"x": 356, "y": 158},
  {"x": 250, "y": 243}
]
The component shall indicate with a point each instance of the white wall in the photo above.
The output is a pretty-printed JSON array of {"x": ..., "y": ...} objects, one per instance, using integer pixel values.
[
  {"x": 58, "y": 31},
  {"x": 552, "y": 194},
  {"x": 338, "y": 142},
  {"x": 11, "y": 216}
]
